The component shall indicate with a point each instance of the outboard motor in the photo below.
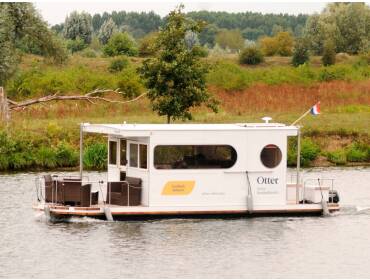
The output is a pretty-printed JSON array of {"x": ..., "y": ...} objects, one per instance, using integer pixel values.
[{"x": 333, "y": 196}]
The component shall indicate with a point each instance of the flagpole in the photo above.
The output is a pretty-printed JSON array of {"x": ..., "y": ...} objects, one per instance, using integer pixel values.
[{"x": 305, "y": 114}]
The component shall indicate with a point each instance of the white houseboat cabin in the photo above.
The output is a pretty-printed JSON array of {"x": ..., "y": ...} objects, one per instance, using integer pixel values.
[{"x": 188, "y": 169}]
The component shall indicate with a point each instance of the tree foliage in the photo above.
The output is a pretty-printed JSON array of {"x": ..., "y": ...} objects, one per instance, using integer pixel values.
[
  {"x": 300, "y": 52},
  {"x": 328, "y": 56},
  {"x": 230, "y": 39},
  {"x": 20, "y": 22},
  {"x": 147, "y": 44},
  {"x": 280, "y": 44},
  {"x": 176, "y": 77},
  {"x": 106, "y": 31},
  {"x": 347, "y": 25},
  {"x": 251, "y": 55},
  {"x": 78, "y": 25},
  {"x": 120, "y": 44}
]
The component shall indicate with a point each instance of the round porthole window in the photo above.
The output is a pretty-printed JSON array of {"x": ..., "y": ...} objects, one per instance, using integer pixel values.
[{"x": 271, "y": 156}]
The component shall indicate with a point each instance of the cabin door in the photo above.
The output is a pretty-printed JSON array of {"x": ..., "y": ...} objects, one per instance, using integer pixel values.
[
  {"x": 122, "y": 158},
  {"x": 137, "y": 165}
]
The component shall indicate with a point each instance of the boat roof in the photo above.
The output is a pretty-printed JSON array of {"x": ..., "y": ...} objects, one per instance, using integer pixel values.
[{"x": 145, "y": 129}]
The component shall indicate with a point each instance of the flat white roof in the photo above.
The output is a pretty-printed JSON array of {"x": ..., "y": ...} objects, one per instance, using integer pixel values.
[{"x": 145, "y": 129}]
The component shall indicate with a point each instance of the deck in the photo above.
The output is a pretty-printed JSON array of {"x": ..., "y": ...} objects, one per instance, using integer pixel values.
[{"x": 98, "y": 211}]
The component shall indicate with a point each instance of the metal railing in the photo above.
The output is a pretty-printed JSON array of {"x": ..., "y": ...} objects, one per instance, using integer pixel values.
[{"x": 102, "y": 187}]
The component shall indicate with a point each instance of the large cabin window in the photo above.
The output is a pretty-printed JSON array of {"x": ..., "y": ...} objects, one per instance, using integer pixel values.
[
  {"x": 271, "y": 156},
  {"x": 194, "y": 156},
  {"x": 112, "y": 152},
  {"x": 123, "y": 158},
  {"x": 134, "y": 155}
]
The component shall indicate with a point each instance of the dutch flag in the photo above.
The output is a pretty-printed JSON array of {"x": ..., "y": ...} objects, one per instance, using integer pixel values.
[{"x": 315, "y": 110}]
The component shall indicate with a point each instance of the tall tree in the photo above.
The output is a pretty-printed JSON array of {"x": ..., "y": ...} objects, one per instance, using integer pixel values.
[
  {"x": 78, "y": 25},
  {"x": 106, "y": 31},
  {"x": 347, "y": 25},
  {"x": 19, "y": 21},
  {"x": 230, "y": 39},
  {"x": 176, "y": 77}
]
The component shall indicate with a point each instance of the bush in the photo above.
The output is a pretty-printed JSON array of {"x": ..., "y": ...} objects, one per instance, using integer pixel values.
[
  {"x": 251, "y": 56},
  {"x": 120, "y": 44},
  {"x": 89, "y": 53},
  {"x": 130, "y": 83},
  {"x": 358, "y": 153},
  {"x": 118, "y": 64},
  {"x": 332, "y": 73},
  {"x": 328, "y": 56},
  {"x": 95, "y": 156},
  {"x": 147, "y": 44},
  {"x": 66, "y": 156},
  {"x": 309, "y": 152},
  {"x": 338, "y": 157},
  {"x": 46, "y": 157},
  {"x": 300, "y": 53},
  {"x": 228, "y": 76},
  {"x": 76, "y": 45}
]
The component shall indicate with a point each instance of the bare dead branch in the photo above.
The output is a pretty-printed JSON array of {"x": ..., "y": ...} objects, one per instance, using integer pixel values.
[{"x": 89, "y": 97}]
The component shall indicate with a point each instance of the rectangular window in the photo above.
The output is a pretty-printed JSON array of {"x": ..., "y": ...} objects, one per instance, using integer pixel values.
[
  {"x": 194, "y": 157},
  {"x": 134, "y": 155},
  {"x": 143, "y": 156},
  {"x": 112, "y": 152},
  {"x": 123, "y": 159}
]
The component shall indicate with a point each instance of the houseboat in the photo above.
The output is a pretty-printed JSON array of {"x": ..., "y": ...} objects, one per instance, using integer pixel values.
[{"x": 157, "y": 170}]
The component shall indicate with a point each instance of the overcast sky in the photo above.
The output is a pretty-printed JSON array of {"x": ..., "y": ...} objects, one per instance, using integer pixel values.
[{"x": 55, "y": 12}]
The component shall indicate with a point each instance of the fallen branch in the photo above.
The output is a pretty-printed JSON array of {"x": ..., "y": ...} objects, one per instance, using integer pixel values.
[{"x": 90, "y": 97}]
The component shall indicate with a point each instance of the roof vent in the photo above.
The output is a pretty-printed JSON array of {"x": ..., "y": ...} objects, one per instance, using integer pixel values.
[{"x": 266, "y": 119}]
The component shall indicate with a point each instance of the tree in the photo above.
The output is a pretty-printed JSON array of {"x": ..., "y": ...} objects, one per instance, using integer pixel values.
[
  {"x": 300, "y": 52},
  {"x": 268, "y": 45},
  {"x": 284, "y": 42},
  {"x": 208, "y": 35},
  {"x": 230, "y": 39},
  {"x": 120, "y": 44},
  {"x": 106, "y": 31},
  {"x": 147, "y": 44},
  {"x": 347, "y": 25},
  {"x": 176, "y": 76},
  {"x": 251, "y": 56},
  {"x": 78, "y": 25},
  {"x": 328, "y": 56},
  {"x": 20, "y": 21}
]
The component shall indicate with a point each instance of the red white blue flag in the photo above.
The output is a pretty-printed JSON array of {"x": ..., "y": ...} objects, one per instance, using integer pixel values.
[{"x": 315, "y": 110}]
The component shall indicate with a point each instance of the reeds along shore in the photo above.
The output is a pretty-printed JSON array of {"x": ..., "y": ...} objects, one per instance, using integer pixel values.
[{"x": 46, "y": 136}]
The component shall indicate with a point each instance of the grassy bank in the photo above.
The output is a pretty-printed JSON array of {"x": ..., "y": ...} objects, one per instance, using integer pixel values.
[{"x": 46, "y": 136}]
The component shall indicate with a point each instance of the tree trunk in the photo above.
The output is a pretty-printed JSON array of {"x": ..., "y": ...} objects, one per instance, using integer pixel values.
[
  {"x": 4, "y": 110},
  {"x": 168, "y": 119}
]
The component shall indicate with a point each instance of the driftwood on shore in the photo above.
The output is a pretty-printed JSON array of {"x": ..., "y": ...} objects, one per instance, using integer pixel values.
[{"x": 7, "y": 104}]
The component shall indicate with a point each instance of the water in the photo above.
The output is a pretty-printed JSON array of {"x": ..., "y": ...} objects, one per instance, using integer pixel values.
[{"x": 300, "y": 247}]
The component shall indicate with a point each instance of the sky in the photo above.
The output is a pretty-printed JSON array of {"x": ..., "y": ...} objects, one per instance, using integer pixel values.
[{"x": 55, "y": 12}]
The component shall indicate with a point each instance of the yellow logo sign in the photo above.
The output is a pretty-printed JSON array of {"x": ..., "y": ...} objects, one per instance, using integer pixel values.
[{"x": 178, "y": 188}]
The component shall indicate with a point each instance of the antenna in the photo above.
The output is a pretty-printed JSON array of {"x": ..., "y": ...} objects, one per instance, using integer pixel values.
[{"x": 266, "y": 119}]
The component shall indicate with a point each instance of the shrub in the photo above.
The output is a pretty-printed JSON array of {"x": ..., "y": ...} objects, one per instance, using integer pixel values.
[
  {"x": 95, "y": 156},
  {"x": 89, "y": 53},
  {"x": 147, "y": 44},
  {"x": 118, "y": 64},
  {"x": 268, "y": 46},
  {"x": 76, "y": 45},
  {"x": 357, "y": 152},
  {"x": 332, "y": 73},
  {"x": 66, "y": 156},
  {"x": 300, "y": 53},
  {"x": 328, "y": 56},
  {"x": 130, "y": 83},
  {"x": 338, "y": 157},
  {"x": 200, "y": 51},
  {"x": 251, "y": 56},
  {"x": 284, "y": 43},
  {"x": 228, "y": 76},
  {"x": 46, "y": 157},
  {"x": 120, "y": 44},
  {"x": 309, "y": 151}
]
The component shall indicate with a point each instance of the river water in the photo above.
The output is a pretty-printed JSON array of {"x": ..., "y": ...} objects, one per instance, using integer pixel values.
[{"x": 269, "y": 247}]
